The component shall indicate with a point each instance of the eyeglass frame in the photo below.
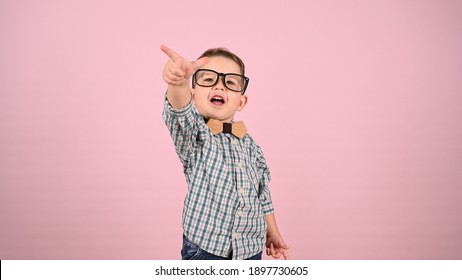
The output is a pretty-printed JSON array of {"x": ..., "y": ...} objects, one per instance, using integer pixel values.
[{"x": 223, "y": 75}]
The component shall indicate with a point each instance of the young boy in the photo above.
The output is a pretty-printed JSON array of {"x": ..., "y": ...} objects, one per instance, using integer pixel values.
[{"x": 228, "y": 213}]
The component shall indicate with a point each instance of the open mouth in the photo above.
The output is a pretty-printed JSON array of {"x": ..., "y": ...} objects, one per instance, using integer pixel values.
[{"x": 217, "y": 100}]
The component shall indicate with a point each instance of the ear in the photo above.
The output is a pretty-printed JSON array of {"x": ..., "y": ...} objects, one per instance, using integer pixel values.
[{"x": 242, "y": 102}]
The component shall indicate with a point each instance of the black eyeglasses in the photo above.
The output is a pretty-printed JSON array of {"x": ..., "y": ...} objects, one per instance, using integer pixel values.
[{"x": 209, "y": 78}]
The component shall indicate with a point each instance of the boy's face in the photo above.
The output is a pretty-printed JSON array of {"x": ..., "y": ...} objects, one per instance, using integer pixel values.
[{"x": 207, "y": 100}]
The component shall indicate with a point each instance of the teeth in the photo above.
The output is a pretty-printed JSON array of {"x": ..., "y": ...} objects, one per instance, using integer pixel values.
[{"x": 217, "y": 98}]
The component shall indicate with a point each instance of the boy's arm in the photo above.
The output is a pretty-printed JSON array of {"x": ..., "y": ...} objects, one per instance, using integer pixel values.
[
  {"x": 275, "y": 245},
  {"x": 179, "y": 114},
  {"x": 177, "y": 72}
]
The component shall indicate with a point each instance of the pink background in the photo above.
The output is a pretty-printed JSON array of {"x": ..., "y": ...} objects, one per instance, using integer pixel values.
[{"x": 356, "y": 104}]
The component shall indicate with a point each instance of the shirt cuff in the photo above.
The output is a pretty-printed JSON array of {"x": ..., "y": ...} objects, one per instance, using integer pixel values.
[
  {"x": 267, "y": 208},
  {"x": 177, "y": 111}
]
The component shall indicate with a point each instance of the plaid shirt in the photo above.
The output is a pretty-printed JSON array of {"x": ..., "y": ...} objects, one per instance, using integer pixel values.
[{"x": 227, "y": 179}]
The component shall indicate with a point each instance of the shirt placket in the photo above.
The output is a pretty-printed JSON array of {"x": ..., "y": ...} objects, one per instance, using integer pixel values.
[{"x": 241, "y": 188}]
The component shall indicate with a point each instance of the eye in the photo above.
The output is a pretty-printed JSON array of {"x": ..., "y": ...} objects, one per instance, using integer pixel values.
[
  {"x": 232, "y": 80},
  {"x": 206, "y": 79}
]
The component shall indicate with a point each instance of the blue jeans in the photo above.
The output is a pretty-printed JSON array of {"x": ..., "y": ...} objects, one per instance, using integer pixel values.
[{"x": 191, "y": 251}]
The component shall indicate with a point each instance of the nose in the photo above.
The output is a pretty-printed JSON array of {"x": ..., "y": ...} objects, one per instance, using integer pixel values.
[{"x": 220, "y": 84}]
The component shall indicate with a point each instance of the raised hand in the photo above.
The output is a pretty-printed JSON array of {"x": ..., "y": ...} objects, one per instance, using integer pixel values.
[{"x": 178, "y": 70}]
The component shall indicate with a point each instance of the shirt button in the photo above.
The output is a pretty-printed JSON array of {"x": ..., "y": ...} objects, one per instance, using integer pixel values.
[
  {"x": 235, "y": 235},
  {"x": 240, "y": 213},
  {"x": 239, "y": 164},
  {"x": 234, "y": 142},
  {"x": 240, "y": 190}
]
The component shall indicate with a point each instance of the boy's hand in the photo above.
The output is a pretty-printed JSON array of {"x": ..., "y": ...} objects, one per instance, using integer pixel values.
[
  {"x": 276, "y": 247},
  {"x": 178, "y": 70}
]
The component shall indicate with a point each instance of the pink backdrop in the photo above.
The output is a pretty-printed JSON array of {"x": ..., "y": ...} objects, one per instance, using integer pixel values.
[{"x": 356, "y": 104}]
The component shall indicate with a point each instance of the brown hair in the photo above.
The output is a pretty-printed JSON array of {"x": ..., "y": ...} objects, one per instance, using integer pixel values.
[{"x": 225, "y": 53}]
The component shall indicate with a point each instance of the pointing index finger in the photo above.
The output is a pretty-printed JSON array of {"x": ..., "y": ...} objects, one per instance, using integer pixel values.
[{"x": 170, "y": 53}]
